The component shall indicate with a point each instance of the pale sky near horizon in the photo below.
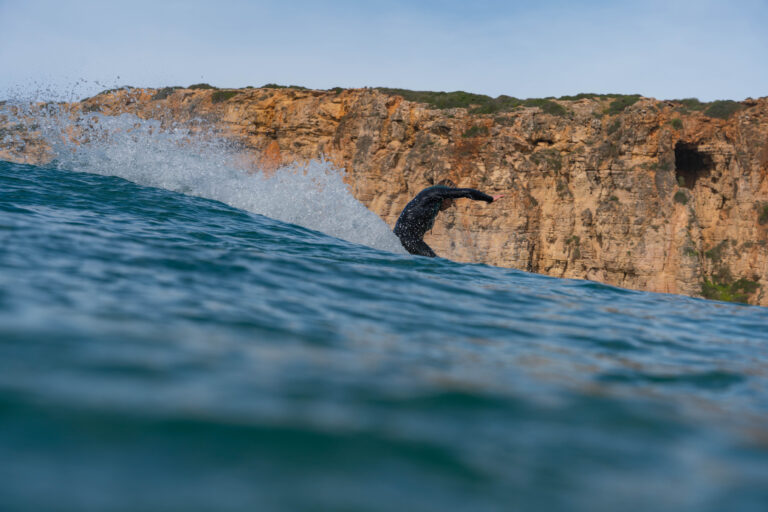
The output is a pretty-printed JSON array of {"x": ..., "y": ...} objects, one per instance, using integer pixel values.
[{"x": 664, "y": 49}]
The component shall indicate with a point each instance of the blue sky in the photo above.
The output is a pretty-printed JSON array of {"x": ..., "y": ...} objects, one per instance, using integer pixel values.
[{"x": 665, "y": 49}]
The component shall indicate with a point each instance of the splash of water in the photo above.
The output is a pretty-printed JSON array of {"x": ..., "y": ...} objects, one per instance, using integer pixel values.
[{"x": 199, "y": 163}]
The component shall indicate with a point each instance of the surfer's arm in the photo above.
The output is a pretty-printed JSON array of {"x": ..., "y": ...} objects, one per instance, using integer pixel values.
[{"x": 470, "y": 193}]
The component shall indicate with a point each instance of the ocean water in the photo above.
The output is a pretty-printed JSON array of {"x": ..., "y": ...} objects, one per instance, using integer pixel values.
[{"x": 180, "y": 332}]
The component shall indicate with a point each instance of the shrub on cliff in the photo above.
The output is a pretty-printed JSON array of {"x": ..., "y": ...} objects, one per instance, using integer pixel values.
[
  {"x": 546, "y": 105},
  {"x": 737, "y": 291},
  {"x": 723, "y": 109},
  {"x": 164, "y": 92},
  {"x": 502, "y": 103},
  {"x": 220, "y": 96},
  {"x": 762, "y": 217},
  {"x": 508, "y": 103},
  {"x": 201, "y": 86},
  {"x": 592, "y": 96},
  {"x": 681, "y": 197},
  {"x": 441, "y": 100},
  {"x": 581, "y": 96},
  {"x": 691, "y": 104},
  {"x": 622, "y": 102},
  {"x": 716, "y": 253},
  {"x": 278, "y": 86}
]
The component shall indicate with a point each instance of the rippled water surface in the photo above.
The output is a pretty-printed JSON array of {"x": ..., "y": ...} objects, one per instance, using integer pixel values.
[{"x": 166, "y": 352}]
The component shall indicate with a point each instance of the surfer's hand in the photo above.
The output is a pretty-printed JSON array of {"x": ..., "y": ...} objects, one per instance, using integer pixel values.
[{"x": 497, "y": 197}]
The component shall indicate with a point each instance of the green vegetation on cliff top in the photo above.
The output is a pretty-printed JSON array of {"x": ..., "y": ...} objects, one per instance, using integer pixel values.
[
  {"x": 622, "y": 102},
  {"x": 483, "y": 104},
  {"x": 201, "y": 86},
  {"x": 278, "y": 86},
  {"x": 723, "y": 109},
  {"x": 475, "y": 103},
  {"x": 690, "y": 104}
]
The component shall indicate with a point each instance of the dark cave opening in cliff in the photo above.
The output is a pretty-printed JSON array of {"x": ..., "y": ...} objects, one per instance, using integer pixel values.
[{"x": 690, "y": 164}]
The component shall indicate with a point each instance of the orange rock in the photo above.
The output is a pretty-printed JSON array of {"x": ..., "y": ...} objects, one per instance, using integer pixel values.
[{"x": 271, "y": 158}]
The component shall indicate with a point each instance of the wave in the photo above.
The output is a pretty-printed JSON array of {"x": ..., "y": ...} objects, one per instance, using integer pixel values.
[
  {"x": 171, "y": 343},
  {"x": 201, "y": 163}
]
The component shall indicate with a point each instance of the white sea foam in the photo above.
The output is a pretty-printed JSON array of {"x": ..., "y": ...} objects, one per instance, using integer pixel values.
[{"x": 200, "y": 164}]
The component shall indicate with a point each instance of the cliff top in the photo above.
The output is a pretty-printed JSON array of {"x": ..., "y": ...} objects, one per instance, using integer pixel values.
[{"x": 476, "y": 103}]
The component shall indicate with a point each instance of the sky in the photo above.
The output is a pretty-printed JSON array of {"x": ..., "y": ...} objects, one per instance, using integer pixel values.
[{"x": 664, "y": 49}]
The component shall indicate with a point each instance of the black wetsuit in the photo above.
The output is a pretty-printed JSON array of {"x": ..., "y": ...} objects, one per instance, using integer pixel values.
[{"x": 418, "y": 216}]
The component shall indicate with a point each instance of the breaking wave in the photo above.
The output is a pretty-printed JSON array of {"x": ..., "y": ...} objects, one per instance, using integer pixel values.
[{"x": 203, "y": 164}]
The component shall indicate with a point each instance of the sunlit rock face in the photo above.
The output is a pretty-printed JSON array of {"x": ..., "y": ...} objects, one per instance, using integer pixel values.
[{"x": 657, "y": 195}]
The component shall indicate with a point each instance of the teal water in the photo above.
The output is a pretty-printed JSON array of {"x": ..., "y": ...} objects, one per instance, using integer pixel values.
[{"x": 160, "y": 351}]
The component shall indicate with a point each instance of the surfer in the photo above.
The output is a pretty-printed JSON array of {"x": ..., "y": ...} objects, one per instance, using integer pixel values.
[{"x": 419, "y": 214}]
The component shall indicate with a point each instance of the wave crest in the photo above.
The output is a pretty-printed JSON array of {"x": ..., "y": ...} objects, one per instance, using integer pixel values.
[{"x": 195, "y": 162}]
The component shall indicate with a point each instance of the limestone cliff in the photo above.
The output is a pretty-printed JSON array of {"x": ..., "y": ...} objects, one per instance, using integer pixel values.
[{"x": 652, "y": 196}]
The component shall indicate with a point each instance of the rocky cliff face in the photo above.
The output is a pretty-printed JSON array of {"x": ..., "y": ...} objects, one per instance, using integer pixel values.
[{"x": 653, "y": 196}]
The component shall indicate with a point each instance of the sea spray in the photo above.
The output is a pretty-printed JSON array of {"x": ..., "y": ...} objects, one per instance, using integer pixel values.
[{"x": 195, "y": 161}]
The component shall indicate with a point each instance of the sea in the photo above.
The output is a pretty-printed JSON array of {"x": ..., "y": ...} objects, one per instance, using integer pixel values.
[{"x": 181, "y": 331}]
